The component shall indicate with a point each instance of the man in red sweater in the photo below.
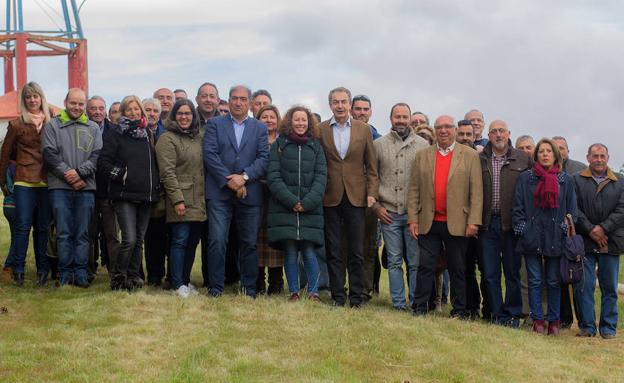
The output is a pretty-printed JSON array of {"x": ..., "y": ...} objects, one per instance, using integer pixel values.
[{"x": 445, "y": 200}]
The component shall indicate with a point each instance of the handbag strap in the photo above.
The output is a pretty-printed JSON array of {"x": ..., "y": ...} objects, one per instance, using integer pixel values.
[{"x": 570, "y": 224}]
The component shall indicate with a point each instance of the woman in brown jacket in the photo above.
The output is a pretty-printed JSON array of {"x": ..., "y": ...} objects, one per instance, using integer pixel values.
[{"x": 23, "y": 142}]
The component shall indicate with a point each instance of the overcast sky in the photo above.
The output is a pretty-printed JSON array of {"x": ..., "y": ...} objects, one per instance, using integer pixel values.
[{"x": 546, "y": 67}]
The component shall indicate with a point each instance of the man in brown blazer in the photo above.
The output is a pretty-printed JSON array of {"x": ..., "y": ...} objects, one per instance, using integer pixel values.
[
  {"x": 352, "y": 186},
  {"x": 445, "y": 201}
]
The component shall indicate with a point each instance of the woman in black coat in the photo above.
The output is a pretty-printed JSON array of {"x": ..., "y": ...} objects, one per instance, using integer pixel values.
[
  {"x": 128, "y": 159},
  {"x": 297, "y": 175},
  {"x": 543, "y": 197}
]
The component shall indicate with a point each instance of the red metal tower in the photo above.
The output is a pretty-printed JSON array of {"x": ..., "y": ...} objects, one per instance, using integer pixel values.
[{"x": 17, "y": 44}]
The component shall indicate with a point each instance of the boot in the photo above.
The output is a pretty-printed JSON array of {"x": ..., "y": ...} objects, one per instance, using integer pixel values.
[
  {"x": 538, "y": 326},
  {"x": 553, "y": 327},
  {"x": 18, "y": 279},
  {"x": 42, "y": 279}
]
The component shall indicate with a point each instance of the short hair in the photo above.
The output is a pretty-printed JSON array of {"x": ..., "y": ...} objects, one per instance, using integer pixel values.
[
  {"x": 33, "y": 88},
  {"x": 429, "y": 136},
  {"x": 126, "y": 102},
  {"x": 524, "y": 137},
  {"x": 113, "y": 104},
  {"x": 285, "y": 127},
  {"x": 464, "y": 123},
  {"x": 97, "y": 98},
  {"x": 597, "y": 144},
  {"x": 561, "y": 138},
  {"x": 555, "y": 149},
  {"x": 338, "y": 89},
  {"x": 362, "y": 97},
  {"x": 74, "y": 90},
  {"x": 153, "y": 101},
  {"x": 174, "y": 110},
  {"x": 245, "y": 87},
  {"x": 421, "y": 113},
  {"x": 159, "y": 89},
  {"x": 223, "y": 102},
  {"x": 269, "y": 107},
  {"x": 179, "y": 90},
  {"x": 207, "y": 84},
  {"x": 262, "y": 92},
  {"x": 472, "y": 111},
  {"x": 400, "y": 104}
]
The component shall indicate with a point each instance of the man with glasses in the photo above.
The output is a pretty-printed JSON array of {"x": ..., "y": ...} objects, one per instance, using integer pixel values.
[
  {"x": 444, "y": 206},
  {"x": 501, "y": 165}
]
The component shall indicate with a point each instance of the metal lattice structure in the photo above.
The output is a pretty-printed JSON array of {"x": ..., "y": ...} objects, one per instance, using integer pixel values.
[{"x": 18, "y": 43}]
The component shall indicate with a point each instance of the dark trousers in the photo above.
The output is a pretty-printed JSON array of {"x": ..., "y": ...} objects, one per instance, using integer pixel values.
[
  {"x": 108, "y": 228},
  {"x": 157, "y": 244},
  {"x": 473, "y": 293},
  {"x": 353, "y": 218},
  {"x": 430, "y": 248},
  {"x": 133, "y": 218},
  {"x": 372, "y": 267}
]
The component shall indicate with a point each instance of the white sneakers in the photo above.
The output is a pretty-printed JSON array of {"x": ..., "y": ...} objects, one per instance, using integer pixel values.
[
  {"x": 183, "y": 291},
  {"x": 192, "y": 289}
]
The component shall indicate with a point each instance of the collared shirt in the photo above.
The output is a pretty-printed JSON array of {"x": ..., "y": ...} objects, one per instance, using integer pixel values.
[
  {"x": 445, "y": 152},
  {"x": 599, "y": 178},
  {"x": 342, "y": 135},
  {"x": 239, "y": 128},
  {"x": 497, "y": 165}
]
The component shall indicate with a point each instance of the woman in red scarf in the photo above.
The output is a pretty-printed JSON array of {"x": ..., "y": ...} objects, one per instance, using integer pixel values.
[
  {"x": 23, "y": 142},
  {"x": 543, "y": 196}
]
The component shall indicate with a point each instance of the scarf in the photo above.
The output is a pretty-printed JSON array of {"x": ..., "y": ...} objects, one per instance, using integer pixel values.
[
  {"x": 37, "y": 120},
  {"x": 133, "y": 128},
  {"x": 546, "y": 194},
  {"x": 299, "y": 140}
]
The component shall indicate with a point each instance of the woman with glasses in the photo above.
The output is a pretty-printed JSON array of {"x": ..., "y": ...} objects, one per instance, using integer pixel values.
[
  {"x": 179, "y": 153},
  {"x": 128, "y": 159}
]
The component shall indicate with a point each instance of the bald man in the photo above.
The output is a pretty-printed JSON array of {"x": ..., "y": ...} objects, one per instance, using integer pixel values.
[
  {"x": 71, "y": 145},
  {"x": 444, "y": 206}
]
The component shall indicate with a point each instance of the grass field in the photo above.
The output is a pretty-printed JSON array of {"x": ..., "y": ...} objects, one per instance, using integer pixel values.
[{"x": 75, "y": 335}]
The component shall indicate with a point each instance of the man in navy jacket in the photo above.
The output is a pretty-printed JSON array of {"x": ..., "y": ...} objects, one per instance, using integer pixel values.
[{"x": 235, "y": 158}]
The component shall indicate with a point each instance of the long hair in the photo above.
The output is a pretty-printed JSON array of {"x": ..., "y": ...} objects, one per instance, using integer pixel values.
[
  {"x": 285, "y": 127},
  {"x": 33, "y": 88},
  {"x": 126, "y": 102}
]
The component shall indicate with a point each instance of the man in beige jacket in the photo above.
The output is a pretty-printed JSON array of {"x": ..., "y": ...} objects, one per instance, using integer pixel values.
[{"x": 445, "y": 201}]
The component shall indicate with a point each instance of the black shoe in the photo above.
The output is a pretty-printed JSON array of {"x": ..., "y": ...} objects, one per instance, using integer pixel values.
[
  {"x": 565, "y": 325},
  {"x": 419, "y": 313},
  {"x": 275, "y": 289},
  {"x": 82, "y": 282},
  {"x": 137, "y": 283},
  {"x": 18, "y": 279},
  {"x": 338, "y": 304},
  {"x": 90, "y": 278},
  {"x": 42, "y": 279},
  {"x": 607, "y": 336},
  {"x": 214, "y": 293},
  {"x": 585, "y": 334}
]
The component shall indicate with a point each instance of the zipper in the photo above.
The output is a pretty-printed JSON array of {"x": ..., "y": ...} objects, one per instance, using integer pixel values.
[
  {"x": 298, "y": 187},
  {"x": 149, "y": 159}
]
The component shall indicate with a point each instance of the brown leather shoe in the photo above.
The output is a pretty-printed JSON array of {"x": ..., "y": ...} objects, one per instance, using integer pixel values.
[
  {"x": 538, "y": 327},
  {"x": 294, "y": 297},
  {"x": 553, "y": 328},
  {"x": 315, "y": 298}
]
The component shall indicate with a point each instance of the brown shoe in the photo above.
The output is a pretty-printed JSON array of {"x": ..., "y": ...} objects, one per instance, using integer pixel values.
[
  {"x": 315, "y": 298},
  {"x": 553, "y": 328},
  {"x": 294, "y": 297},
  {"x": 538, "y": 327}
]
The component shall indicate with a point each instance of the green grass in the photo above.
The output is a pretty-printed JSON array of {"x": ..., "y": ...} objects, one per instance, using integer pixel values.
[{"x": 75, "y": 335}]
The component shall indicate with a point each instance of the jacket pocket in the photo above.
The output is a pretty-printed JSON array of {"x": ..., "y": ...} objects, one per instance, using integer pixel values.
[
  {"x": 530, "y": 239},
  {"x": 188, "y": 192}
]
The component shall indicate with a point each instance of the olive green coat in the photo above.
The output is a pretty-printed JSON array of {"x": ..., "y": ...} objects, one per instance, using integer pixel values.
[{"x": 181, "y": 169}]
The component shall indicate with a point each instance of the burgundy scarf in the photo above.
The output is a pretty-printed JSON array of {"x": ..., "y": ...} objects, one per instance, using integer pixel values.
[
  {"x": 547, "y": 191},
  {"x": 297, "y": 139}
]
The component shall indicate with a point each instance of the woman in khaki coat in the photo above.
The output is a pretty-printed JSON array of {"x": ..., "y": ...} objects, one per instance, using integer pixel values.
[{"x": 179, "y": 154}]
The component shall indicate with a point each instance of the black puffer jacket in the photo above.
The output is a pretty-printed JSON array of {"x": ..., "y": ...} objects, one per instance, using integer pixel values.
[
  {"x": 130, "y": 164},
  {"x": 600, "y": 205}
]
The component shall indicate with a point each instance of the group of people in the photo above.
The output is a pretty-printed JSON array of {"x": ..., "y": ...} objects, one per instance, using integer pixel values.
[{"x": 309, "y": 197}]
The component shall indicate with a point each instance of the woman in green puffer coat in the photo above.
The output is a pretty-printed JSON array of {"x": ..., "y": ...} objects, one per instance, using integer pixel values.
[{"x": 297, "y": 176}]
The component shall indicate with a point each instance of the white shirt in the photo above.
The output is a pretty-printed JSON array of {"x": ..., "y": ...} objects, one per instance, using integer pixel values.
[
  {"x": 445, "y": 152},
  {"x": 342, "y": 135}
]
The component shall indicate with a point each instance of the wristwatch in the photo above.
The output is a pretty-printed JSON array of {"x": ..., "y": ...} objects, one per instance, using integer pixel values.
[{"x": 245, "y": 177}]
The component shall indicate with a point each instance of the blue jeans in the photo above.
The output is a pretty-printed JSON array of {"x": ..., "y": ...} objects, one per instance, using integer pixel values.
[
  {"x": 72, "y": 211},
  {"x": 247, "y": 219},
  {"x": 536, "y": 268},
  {"x": 184, "y": 239},
  {"x": 31, "y": 206},
  {"x": 608, "y": 268},
  {"x": 9, "y": 214},
  {"x": 498, "y": 246},
  {"x": 291, "y": 265},
  {"x": 399, "y": 243}
]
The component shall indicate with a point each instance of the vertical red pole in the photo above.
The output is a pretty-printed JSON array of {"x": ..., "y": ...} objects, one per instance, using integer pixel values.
[
  {"x": 9, "y": 85},
  {"x": 77, "y": 67},
  {"x": 20, "y": 59}
]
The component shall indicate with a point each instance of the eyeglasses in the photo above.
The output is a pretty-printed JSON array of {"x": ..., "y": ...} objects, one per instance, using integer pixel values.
[
  {"x": 187, "y": 114},
  {"x": 448, "y": 126}
]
